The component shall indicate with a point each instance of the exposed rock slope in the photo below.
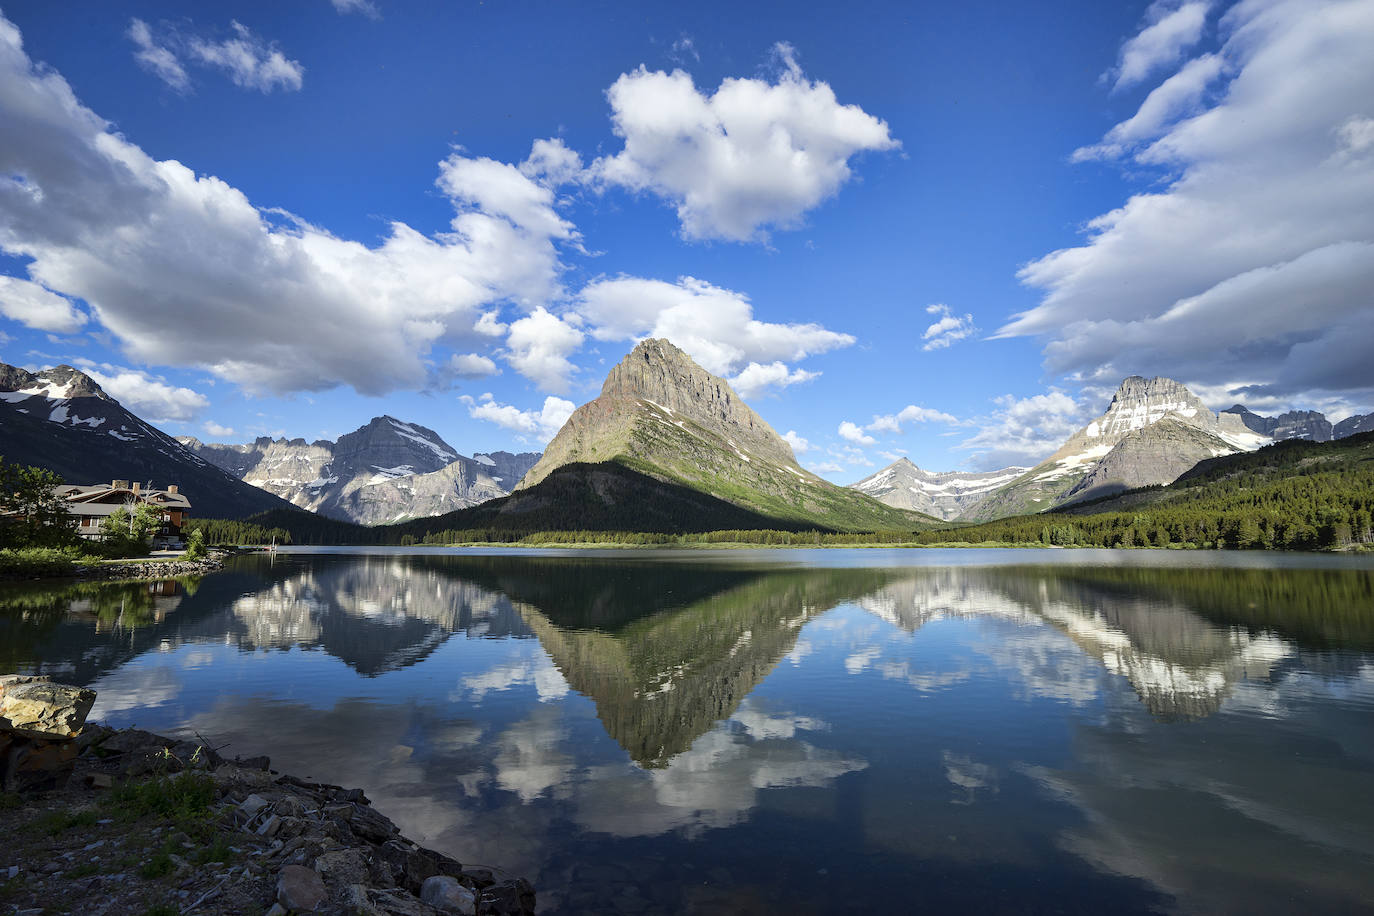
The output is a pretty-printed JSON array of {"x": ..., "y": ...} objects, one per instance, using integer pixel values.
[
  {"x": 506, "y": 468},
  {"x": 1072, "y": 473},
  {"x": 665, "y": 417},
  {"x": 1296, "y": 424},
  {"x": 1353, "y": 426},
  {"x": 62, "y": 420},
  {"x": 1149, "y": 456},
  {"x": 943, "y": 494},
  {"x": 384, "y": 471}
]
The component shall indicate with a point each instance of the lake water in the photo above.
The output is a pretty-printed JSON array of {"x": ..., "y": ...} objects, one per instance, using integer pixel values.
[{"x": 788, "y": 731}]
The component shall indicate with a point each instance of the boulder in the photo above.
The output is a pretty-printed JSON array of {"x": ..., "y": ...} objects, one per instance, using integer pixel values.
[
  {"x": 446, "y": 895},
  {"x": 371, "y": 825},
  {"x": 300, "y": 888},
  {"x": 42, "y": 709},
  {"x": 513, "y": 897},
  {"x": 34, "y": 764},
  {"x": 342, "y": 867}
]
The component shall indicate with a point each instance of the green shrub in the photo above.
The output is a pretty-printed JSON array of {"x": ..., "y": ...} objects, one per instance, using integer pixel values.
[
  {"x": 37, "y": 561},
  {"x": 195, "y": 545},
  {"x": 185, "y": 795}
]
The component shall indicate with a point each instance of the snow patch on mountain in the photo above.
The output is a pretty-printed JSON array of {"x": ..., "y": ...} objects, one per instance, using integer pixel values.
[
  {"x": 944, "y": 494},
  {"x": 406, "y": 431}
]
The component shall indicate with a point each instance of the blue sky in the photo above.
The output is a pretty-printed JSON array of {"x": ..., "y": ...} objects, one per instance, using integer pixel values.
[{"x": 938, "y": 230}]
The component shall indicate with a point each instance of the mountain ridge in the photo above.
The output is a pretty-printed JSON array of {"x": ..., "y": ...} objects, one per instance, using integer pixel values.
[
  {"x": 385, "y": 471},
  {"x": 943, "y": 494}
]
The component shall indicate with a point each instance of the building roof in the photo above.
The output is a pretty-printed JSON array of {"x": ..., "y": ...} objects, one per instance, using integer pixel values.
[{"x": 100, "y": 494}]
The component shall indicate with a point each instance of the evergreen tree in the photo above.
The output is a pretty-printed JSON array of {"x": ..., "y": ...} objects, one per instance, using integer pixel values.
[{"x": 31, "y": 512}]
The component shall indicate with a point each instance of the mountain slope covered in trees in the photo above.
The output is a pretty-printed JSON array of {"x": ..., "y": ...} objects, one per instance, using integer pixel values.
[{"x": 1295, "y": 494}]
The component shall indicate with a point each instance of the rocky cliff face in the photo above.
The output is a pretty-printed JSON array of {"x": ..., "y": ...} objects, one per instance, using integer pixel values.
[
  {"x": 1296, "y": 424},
  {"x": 663, "y": 416},
  {"x": 1148, "y": 458},
  {"x": 384, "y": 471},
  {"x": 505, "y": 468},
  {"x": 943, "y": 494}
]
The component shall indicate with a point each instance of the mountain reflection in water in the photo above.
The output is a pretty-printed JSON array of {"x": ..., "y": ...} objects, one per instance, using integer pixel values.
[{"x": 733, "y": 688}]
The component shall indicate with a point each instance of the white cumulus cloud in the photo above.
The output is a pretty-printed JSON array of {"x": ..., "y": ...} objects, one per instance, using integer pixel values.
[
  {"x": 854, "y": 433},
  {"x": 911, "y": 413},
  {"x": 472, "y": 365},
  {"x": 157, "y": 59},
  {"x": 538, "y": 425},
  {"x": 279, "y": 304},
  {"x": 799, "y": 445},
  {"x": 757, "y": 379},
  {"x": 751, "y": 155},
  {"x": 216, "y": 430},
  {"x": 150, "y": 397},
  {"x": 249, "y": 61},
  {"x": 32, "y": 305},
  {"x": 947, "y": 328},
  {"x": 715, "y": 326},
  {"x": 1022, "y": 432},
  {"x": 1173, "y": 28},
  {"x": 1255, "y": 261},
  {"x": 552, "y": 163},
  {"x": 538, "y": 348}
]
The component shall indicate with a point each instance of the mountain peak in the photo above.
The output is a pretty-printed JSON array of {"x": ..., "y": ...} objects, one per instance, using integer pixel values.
[
  {"x": 1137, "y": 389},
  {"x": 665, "y": 430},
  {"x": 645, "y": 368},
  {"x": 57, "y": 383},
  {"x": 659, "y": 372}
]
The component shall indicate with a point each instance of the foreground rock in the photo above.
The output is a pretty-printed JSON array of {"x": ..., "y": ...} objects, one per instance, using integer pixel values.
[
  {"x": 38, "y": 721},
  {"x": 130, "y": 821}
]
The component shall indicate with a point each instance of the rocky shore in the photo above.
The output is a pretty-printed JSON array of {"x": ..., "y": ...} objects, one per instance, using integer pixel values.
[
  {"x": 148, "y": 569},
  {"x": 112, "y": 570},
  {"x": 125, "y": 822}
]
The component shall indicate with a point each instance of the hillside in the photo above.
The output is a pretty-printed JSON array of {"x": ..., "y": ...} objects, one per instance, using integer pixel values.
[
  {"x": 60, "y": 419},
  {"x": 1295, "y": 494}
]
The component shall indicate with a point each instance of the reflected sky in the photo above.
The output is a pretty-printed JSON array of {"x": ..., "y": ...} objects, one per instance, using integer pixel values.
[{"x": 789, "y": 732}]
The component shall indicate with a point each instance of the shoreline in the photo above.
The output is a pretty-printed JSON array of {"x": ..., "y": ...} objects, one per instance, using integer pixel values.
[
  {"x": 745, "y": 545},
  {"x": 135, "y": 569},
  {"x": 138, "y": 823}
]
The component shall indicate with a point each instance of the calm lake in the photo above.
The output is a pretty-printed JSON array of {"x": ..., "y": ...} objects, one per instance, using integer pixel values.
[{"x": 787, "y": 731}]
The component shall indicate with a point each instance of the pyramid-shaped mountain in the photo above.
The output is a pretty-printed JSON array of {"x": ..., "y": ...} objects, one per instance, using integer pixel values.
[
  {"x": 668, "y": 446},
  {"x": 1153, "y": 431}
]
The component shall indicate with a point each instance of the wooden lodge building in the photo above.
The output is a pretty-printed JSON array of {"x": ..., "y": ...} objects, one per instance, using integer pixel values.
[{"x": 93, "y": 504}]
